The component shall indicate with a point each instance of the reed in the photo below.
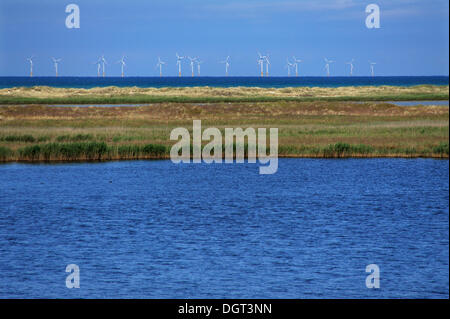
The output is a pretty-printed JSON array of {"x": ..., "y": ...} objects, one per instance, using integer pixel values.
[
  {"x": 5, "y": 153},
  {"x": 18, "y": 138},
  {"x": 81, "y": 151}
]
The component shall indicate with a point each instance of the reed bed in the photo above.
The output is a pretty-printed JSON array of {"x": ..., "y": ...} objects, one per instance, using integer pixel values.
[
  {"x": 305, "y": 129},
  {"x": 95, "y": 151}
]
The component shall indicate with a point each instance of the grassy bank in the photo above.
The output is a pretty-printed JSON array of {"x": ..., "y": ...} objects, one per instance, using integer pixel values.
[
  {"x": 95, "y": 151},
  {"x": 306, "y": 129},
  {"x": 134, "y": 95}
]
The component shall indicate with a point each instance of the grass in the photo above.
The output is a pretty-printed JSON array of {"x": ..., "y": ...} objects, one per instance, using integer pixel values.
[
  {"x": 134, "y": 95},
  {"x": 306, "y": 129},
  {"x": 95, "y": 151},
  {"x": 82, "y": 151},
  {"x": 188, "y": 99}
]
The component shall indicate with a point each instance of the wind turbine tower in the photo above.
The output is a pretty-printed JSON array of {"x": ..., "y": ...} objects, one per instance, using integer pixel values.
[
  {"x": 122, "y": 62},
  {"x": 260, "y": 61},
  {"x": 55, "y": 62},
  {"x": 198, "y": 66},
  {"x": 179, "y": 58},
  {"x": 160, "y": 64},
  {"x": 99, "y": 66},
  {"x": 327, "y": 66},
  {"x": 288, "y": 66},
  {"x": 103, "y": 61},
  {"x": 227, "y": 64},
  {"x": 296, "y": 62},
  {"x": 266, "y": 58},
  {"x": 351, "y": 66},
  {"x": 30, "y": 59},
  {"x": 192, "y": 61},
  {"x": 372, "y": 68}
]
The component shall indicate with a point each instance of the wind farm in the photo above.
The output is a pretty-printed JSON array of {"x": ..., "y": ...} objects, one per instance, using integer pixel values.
[{"x": 263, "y": 62}]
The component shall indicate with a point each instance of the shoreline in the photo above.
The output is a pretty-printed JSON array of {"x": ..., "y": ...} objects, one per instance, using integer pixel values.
[{"x": 167, "y": 158}]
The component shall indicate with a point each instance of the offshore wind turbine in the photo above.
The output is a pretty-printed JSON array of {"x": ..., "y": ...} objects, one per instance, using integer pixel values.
[
  {"x": 55, "y": 62},
  {"x": 160, "y": 64},
  {"x": 227, "y": 64},
  {"x": 99, "y": 66},
  {"x": 103, "y": 62},
  {"x": 351, "y": 66},
  {"x": 122, "y": 62},
  {"x": 30, "y": 59},
  {"x": 266, "y": 58},
  {"x": 327, "y": 65},
  {"x": 372, "y": 68},
  {"x": 260, "y": 61},
  {"x": 288, "y": 66},
  {"x": 179, "y": 58},
  {"x": 296, "y": 62},
  {"x": 192, "y": 61},
  {"x": 198, "y": 66}
]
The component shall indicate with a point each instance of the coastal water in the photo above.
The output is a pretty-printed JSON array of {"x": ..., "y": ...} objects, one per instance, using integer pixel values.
[
  {"x": 277, "y": 82},
  {"x": 153, "y": 229}
]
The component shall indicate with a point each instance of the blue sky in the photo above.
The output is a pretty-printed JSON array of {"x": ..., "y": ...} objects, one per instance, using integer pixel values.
[{"x": 412, "y": 40}]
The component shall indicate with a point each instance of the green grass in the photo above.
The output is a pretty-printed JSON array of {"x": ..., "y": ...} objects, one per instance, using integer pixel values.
[
  {"x": 5, "y": 153},
  {"x": 74, "y": 138},
  {"x": 442, "y": 149},
  {"x": 97, "y": 151},
  {"x": 144, "y": 99},
  {"x": 83, "y": 151},
  {"x": 18, "y": 138}
]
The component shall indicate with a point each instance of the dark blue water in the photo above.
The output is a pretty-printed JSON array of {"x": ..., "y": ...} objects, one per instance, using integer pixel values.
[
  {"x": 277, "y": 82},
  {"x": 158, "y": 230}
]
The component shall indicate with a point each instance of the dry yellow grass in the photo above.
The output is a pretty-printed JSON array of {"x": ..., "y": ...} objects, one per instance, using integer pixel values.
[{"x": 50, "y": 92}]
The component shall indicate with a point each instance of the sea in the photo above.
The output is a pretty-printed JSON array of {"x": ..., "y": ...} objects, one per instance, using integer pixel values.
[{"x": 275, "y": 82}]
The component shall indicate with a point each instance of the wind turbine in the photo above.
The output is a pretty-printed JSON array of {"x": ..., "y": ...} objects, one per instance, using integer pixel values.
[
  {"x": 351, "y": 66},
  {"x": 198, "y": 66},
  {"x": 122, "y": 62},
  {"x": 372, "y": 68},
  {"x": 227, "y": 64},
  {"x": 260, "y": 61},
  {"x": 160, "y": 64},
  {"x": 327, "y": 65},
  {"x": 99, "y": 65},
  {"x": 55, "y": 62},
  {"x": 192, "y": 61},
  {"x": 103, "y": 61},
  {"x": 288, "y": 66},
  {"x": 179, "y": 58},
  {"x": 296, "y": 62},
  {"x": 267, "y": 64},
  {"x": 30, "y": 59}
]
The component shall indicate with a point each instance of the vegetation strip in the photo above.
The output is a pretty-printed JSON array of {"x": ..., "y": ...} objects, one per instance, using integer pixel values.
[{"x": 95, "y": 151}]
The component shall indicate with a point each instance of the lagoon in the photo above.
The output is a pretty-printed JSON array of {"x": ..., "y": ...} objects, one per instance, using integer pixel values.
[{"x": 154, "y": 229}]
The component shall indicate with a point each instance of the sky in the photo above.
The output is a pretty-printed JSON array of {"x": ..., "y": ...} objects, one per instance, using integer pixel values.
[{"x": 413, "y": 38}]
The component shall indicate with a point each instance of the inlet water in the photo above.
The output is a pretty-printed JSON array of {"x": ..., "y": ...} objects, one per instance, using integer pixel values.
[{"x": 153, "y": 229}]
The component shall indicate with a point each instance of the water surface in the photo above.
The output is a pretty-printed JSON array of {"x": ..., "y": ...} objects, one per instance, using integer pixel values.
[
  {"x": 153, "y": 229},
  {"x": 231, "y": 81}
]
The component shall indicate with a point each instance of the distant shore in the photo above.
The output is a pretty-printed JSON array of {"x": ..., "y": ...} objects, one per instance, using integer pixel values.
[
  {"x": 204, "y": 94},
  {"x": 316, "y": 129}
]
